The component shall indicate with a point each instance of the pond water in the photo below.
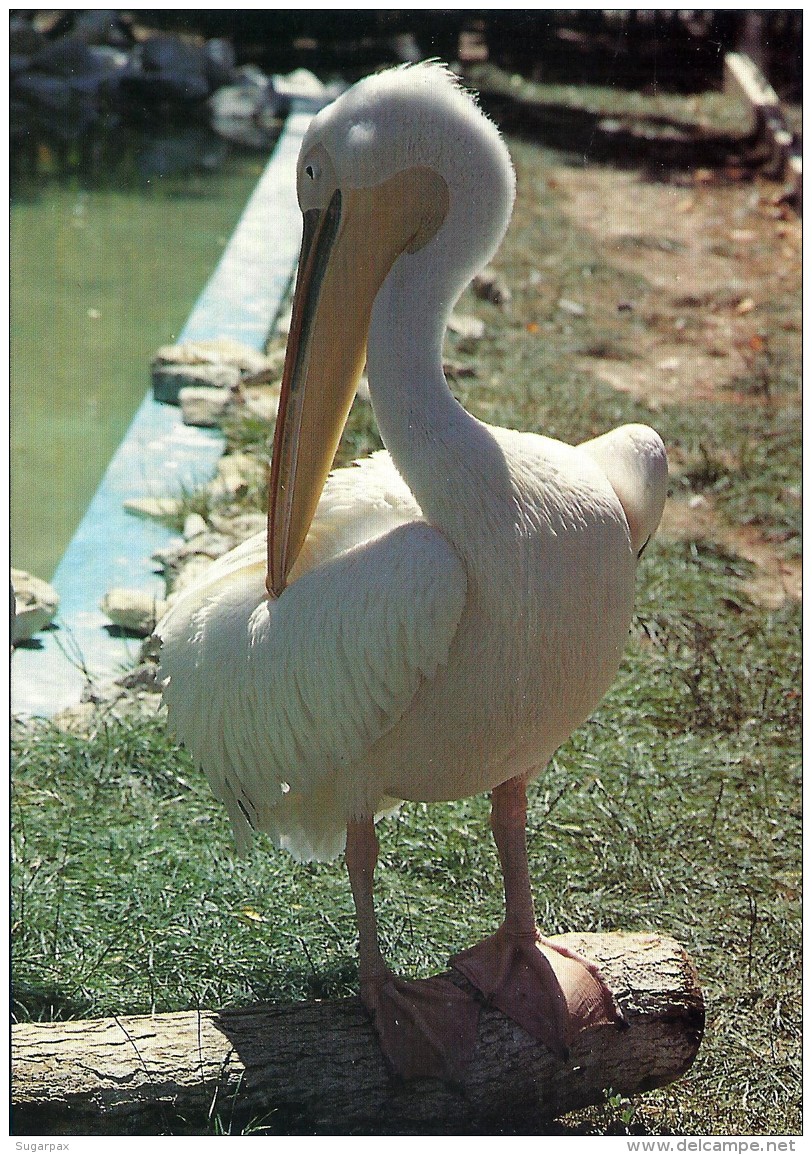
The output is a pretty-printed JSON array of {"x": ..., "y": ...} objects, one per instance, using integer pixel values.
[{"x": 107, "y": 261}]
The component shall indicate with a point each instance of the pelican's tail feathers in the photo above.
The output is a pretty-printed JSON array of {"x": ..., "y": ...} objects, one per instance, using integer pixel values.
[{"x": 311, "y": 828}]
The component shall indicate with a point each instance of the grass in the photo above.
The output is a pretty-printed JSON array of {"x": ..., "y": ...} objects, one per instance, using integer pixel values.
[
  {"x": 675, "y": 808},
  {"x": 707, "y": 110}
]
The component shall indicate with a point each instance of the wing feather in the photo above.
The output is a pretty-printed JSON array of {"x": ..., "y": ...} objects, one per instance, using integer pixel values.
[{"x": 279, "y": 699}]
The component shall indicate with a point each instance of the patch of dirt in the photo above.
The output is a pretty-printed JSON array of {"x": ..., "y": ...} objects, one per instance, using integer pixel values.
[
  {"x": 776, "y": 578},
  {"x": 720, "y": 269},
  {"x": 718, "y": 262}
]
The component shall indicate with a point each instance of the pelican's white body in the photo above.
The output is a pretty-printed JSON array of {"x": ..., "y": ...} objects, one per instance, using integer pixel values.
[{"x": 449, "y": 622}]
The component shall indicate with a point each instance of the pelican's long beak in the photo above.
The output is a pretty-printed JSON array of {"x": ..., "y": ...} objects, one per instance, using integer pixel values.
[{"x": 347, "y": 251}]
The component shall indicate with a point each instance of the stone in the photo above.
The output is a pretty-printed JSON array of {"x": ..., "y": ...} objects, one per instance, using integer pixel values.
[
  {"x": 456, "y": 370},
  {"x": 143, "y": 677},
  {"x": 491, "y": 286},
  {"x": 214, "y": 351},
  {"x": 301, "y": 84},
  {"x": 194, "y": 525},
  {"x": 262, "y": 402},
  {"x": 133, "y": 610},
  {"x": 237, "y": 473},
  {"x": 270, "y": 372},
  {"x": 34, "y": 604},
  {"x": 168, "y": 380},
  {"x": 574, "y": 308},
  {"x": 78, "y": 719},
  {"x": 241, "y": 526},
  {"x": 247, "y": 113},
  {"x": 466, "y": 328},
  {"x": 219, "y": 363},
  {"x": 208, "y": 544},
  {"x": 159, "y": 508},
  {"x": 204, "y": 406}
]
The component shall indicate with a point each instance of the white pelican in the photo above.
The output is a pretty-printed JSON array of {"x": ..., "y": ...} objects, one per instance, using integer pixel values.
[{"x": 435, "y": 620}]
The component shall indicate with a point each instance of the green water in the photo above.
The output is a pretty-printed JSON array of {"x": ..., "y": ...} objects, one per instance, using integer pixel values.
[{"x": 101, "y": 276}]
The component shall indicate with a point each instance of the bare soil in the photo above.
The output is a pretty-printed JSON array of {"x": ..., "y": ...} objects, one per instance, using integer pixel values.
[{"x": 719, "y": 262}]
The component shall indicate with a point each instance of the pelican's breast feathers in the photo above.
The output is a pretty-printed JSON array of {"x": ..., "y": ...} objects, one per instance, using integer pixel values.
[{"x": 274, "y": 697}]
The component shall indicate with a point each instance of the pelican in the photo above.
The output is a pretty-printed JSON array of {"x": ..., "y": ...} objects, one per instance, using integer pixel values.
[{"x": 431, "y": 622}]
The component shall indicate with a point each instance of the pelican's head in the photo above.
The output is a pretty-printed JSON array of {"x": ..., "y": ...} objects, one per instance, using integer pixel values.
[{"x": 402, "y": 168}]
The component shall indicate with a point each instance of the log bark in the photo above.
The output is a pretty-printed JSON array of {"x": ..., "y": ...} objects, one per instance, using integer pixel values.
[{"x": 315, "y": 1068}]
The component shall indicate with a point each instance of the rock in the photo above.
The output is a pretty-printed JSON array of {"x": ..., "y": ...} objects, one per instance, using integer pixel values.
[
  {"x": 83, "y": 68},
  {"x": 159, "y": 508},
  {"x": 221, "y": 363},
  {"x": 132, "y": 695},
  {"x": 208, "y": 544},
  {"x": 143, "y": 677},
  {"x": 166, "y": 69},
  {"x": 169, "y": 380},
  {"x": 236, "y": 474},
  {"x": 219, "y": 60},
  {"x": 216, "y": 351},
  {"x": 241, "y": 526},
  {"x": 66, "y": 85},
  {"x": 572, "y": 307},
  {"x": 35, "y": 605},
  {"x": 466, "y": 328},
  {"x": 102, "y": 26},
  {"x": 262, "y": 402},
  {"x": 457, "y": 371},
  {"x": 194, "y": 525},
  {"x": 305, "y": 88},
  {"x": 204, "y": 406},
  {"x": 271, "y": 371},
  {"x": 78, "y": 719},
  {"x": 135, "y": 611},
  {"x": 247, "y": 112},
  {"x": 23, "y": 38},
  {"x": 491, "y": 286}
]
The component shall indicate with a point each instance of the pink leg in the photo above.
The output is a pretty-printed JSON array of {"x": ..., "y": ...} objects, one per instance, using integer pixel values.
[
  {"x": 552, "y": 992},
  {"x": 427, "y": 1027}
]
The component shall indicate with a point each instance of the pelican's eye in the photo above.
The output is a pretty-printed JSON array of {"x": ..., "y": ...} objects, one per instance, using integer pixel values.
[{"x": 315, "y": 179}]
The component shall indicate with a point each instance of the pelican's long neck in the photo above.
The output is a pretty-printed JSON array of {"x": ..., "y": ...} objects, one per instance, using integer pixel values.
[
  {"x": 425, "y": 429},
  {"x": 443, "y": 453},
  {"x": 452, "y": 462}
]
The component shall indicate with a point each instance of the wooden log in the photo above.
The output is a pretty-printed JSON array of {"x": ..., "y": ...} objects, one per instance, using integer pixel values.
[
  {"x": 315, "y": 1068},
  {"x": 743, "y": 76}
]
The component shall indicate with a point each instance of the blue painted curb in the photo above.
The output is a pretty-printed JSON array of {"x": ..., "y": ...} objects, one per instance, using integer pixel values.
[{"x": 160, "y": 456}]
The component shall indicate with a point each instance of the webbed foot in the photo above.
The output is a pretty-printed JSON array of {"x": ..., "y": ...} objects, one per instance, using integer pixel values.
[
  {"x": 548, "y": 989},
  {"x": 426, "y": 1027}
]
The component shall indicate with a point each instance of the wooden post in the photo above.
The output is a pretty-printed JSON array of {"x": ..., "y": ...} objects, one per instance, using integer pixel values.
[{"x": 315, "y": 1068}]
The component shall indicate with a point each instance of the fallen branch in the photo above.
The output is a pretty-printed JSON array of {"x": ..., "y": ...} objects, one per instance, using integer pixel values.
[{"x": 310, "y": 1068}]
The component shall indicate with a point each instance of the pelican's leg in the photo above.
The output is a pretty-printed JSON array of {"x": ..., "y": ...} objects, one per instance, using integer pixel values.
[
  {"x": 552, "y": 992},
  {"x": 426, "y": 1027}
]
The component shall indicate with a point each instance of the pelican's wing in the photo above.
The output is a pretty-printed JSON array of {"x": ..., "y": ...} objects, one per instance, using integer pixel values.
[
  {"x": 358, "y": 503},
  {"x": 276, "y": 697}
]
